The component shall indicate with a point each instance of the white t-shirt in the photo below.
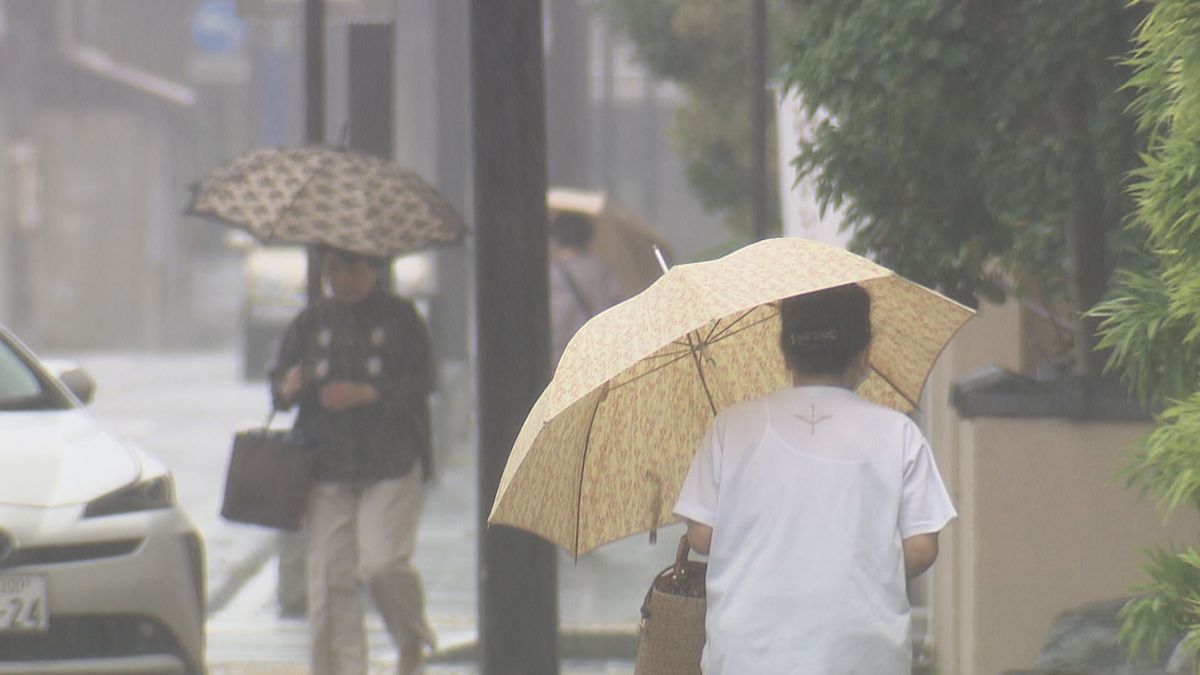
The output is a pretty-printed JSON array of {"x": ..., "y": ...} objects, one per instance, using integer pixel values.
[{"x": 809, "y": 492}]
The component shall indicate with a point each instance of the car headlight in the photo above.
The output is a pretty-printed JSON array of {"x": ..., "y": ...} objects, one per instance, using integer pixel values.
[{"x": 145, "y": 495}]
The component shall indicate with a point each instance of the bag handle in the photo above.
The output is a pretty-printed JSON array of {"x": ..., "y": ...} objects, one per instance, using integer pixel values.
[
  {"x": 676, "y": 571},
  {"x": 266, "y": 427},
  {"x": 681, "y": 555}
]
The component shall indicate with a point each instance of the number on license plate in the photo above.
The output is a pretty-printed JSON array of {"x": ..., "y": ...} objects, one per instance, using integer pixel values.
[{"x": 23, "y": 603}]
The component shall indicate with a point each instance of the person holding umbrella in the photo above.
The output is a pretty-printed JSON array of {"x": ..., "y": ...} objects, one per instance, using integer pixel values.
[
  {"x": 581, "y": 284},
  {"x": 359, "y": 366},
  {"x": 814, "y": 507}
]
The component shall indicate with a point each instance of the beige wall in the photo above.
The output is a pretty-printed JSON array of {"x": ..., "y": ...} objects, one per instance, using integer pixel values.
[
  {"x": 1044, "y": 526},
  {"x": 989, "y": 338}
]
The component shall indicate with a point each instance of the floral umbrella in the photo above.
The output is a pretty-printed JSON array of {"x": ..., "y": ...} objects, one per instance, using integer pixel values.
[
  {"x": 321, "y": 195},
  {"x": 604, "y": 450}
]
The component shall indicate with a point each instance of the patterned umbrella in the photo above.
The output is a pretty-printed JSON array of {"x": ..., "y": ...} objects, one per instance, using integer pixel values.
[
  {"x": 321, "y": 195},
  {"x": 605, "y": 448}
]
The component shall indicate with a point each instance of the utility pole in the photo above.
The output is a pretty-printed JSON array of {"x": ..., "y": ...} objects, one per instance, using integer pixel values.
[
  {"x": 291, "y": 591},
  {"x": 449, "y": 321},
  {"x": 518, "y": 604},
  {"x": 758, "y": 114},
  {"x": 314, "y": 107}
]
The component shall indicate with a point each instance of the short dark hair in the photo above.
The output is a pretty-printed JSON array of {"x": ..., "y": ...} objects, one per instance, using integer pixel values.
[
  {"x": 821, "y": 333},
  {"x": 573, "y": 230}
]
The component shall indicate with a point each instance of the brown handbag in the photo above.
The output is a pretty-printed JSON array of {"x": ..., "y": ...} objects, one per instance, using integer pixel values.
[
  {"x": 671, "y": 633},
  {"x": 269, "y": 478}
]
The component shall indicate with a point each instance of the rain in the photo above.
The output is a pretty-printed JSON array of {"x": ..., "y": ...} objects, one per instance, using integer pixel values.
[{"x": 1012, "y": 184}]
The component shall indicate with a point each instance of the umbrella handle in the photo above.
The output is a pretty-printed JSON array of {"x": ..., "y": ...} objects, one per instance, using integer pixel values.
[{"x": 655, "y": 506}]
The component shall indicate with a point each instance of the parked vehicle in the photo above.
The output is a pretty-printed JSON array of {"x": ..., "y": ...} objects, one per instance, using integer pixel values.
[{"x": 100, "y": 569}]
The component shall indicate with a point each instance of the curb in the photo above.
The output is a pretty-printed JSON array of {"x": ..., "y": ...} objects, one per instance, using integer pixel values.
[
  {"x": 574, "y": 644},
  {"x": 239, "y": 574}
]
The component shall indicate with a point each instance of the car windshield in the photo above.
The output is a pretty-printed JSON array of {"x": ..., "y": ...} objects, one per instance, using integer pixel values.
[{"x": 20, "y": 386}]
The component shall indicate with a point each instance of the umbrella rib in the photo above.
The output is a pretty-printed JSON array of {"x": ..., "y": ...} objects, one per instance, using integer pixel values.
[
  {"x": 895, "y": 388},
  {"x": 676, "y": 358},
  {"x": 292, "y": 202},
  {"x": 587, "y": 445},
  {"x": 700, "y": 371},
  {"x": 689, "y": 348},
  {"x": 718, "y": 329},
  {"x": 727, "y": 330}
]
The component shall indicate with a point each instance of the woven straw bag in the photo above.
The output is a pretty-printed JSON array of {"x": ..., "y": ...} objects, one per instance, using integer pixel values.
[{"x": 671, "y": 634}]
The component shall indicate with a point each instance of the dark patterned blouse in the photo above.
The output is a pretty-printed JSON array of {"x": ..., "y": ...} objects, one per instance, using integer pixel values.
[{"x": 382, "y": 341}]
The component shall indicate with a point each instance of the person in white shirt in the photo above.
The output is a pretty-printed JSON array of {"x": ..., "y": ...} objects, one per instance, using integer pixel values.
[{"x": 814, "y": 507}]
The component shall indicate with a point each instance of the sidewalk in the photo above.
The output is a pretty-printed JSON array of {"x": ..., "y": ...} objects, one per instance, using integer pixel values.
[{"x": 600, "y": 595}]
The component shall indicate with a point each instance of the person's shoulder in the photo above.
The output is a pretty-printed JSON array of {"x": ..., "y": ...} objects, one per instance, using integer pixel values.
[
  {"x": 751, "y": 412},
  {"x": 395, "y": 302},
  {"x": 399, "y": 308},
  {"x": 311, "y": 311},
  {"x": 881, "y": 413}
]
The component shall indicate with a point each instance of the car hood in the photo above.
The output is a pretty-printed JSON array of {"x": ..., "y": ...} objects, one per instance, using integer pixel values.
[{"x": 62, "y": 457}]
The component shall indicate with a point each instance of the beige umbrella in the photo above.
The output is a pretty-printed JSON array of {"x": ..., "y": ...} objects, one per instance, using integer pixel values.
[
  {"x": 322, "y": 195},
  {"x": 605, "y": 448},
  {"x": 622, "y": 240}
]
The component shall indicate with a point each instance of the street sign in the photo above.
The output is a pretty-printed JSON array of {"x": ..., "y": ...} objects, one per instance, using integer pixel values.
[{"x": 216, "y": 27}]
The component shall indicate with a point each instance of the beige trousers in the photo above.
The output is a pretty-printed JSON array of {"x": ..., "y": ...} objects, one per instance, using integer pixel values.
[{"x": 363, "y": 535}]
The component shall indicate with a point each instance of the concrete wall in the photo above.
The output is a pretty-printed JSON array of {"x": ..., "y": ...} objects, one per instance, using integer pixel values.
[
  {"x": 1045, "y": 525},
  {"x": 990, "y": 338},
  {"x": 98, "y": 257}
]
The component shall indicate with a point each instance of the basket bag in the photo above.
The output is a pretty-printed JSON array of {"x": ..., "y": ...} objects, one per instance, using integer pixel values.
[{"x": 671, "y": 633}]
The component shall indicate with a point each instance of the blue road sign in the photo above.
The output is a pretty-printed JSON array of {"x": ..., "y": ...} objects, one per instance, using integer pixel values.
[{"x": 216, "y": 28}]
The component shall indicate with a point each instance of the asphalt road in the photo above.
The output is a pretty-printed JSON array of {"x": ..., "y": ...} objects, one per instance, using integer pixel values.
[{"x": 185, "y": 407}]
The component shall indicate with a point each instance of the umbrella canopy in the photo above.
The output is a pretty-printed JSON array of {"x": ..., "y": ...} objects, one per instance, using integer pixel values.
[
  {"x": 605, "y": 448},
  {"x": 622, "y": 240},
  {"x": 321, "y": 195}
]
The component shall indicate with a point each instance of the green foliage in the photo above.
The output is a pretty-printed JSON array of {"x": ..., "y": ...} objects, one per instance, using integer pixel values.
[
  {"x": 702, "y": 45},
  {"x": 1152, "y": 321},
  {"x": 1151, "y": 344},
  {"x": 1168, "y": 465},
  {"x": 1169, "y": 604},
  {"x": 962, "y": 132}
]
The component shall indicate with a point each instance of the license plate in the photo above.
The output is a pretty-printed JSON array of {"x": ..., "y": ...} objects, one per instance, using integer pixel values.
[{"x": 23, "y": 604}]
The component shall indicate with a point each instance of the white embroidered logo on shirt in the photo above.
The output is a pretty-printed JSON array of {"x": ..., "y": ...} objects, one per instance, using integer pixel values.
[{"x": 814, "y": 419}]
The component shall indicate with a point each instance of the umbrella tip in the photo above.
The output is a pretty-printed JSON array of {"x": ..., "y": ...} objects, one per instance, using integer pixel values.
[{"x": 662, "y": 260}]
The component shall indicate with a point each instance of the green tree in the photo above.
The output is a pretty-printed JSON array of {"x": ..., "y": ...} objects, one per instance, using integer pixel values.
[
  {"x": 1151, "y": 324},
  {"x": 970, "y": 142},
  {"x": 703, "y": 46}
]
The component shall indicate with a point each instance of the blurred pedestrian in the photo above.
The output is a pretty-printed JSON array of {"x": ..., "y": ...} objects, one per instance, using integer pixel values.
[
  {"x": 359, "y": 366},
  {"x": 581, "y": 285},
  {"x": 814, "y": 507}
]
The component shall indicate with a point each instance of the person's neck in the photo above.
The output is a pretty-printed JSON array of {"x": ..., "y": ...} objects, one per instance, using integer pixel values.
[
  {"x": 845, "y": 380},
  {"x": 357, "y": 301}
]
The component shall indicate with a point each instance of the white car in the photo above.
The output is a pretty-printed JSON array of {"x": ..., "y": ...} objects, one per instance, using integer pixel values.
[{"x": 100, "y": 570}]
